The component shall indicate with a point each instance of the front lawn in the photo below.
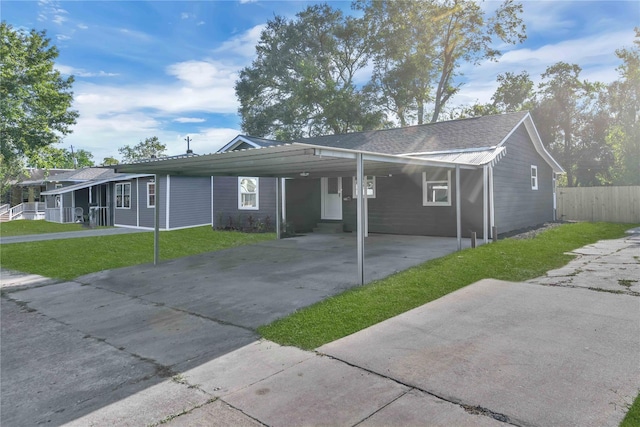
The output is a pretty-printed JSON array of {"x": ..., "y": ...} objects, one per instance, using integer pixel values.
[
  {"x": 509, "y": 259},
  {"x": 23, "y": 227},
  {"x": 69, "y": 258}
]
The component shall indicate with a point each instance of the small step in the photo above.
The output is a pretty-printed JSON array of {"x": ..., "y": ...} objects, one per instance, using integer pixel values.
[{"x": 329, "y": 227}]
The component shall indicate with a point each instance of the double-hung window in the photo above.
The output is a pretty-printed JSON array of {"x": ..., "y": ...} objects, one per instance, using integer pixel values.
[
  {"x": 151, "y": 194},
  {"x": 436, "y": 188},
  {"x": 123, "y": 195},
  {"x": 248, "y": 193},
  {"x": 534, "y": 177},
  {"x": 371, "y": 187}
]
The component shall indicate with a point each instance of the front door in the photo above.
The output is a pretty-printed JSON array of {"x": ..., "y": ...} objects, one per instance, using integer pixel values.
[{"x": 331, "y": 201}]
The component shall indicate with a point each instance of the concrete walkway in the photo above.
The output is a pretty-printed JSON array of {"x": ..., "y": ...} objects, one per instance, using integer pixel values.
[
  {"x": 71, "y": 235},
  {"x": 562, "y": 349}
]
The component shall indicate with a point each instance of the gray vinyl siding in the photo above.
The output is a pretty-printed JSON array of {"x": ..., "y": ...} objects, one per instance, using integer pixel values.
[
  {"x": 147, "y": 215},
  {"x": 126, "y": 217},
  {"x": 225, "y": 203},
  {"x": 398, "y": 209},
  {"x": 190, "y": 201},
  {"x": 516, "y": 204},
  {"x": 303, "y": 203}
]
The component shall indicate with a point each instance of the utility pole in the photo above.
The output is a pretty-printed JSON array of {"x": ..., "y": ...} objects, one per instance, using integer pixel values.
[
  {"x": 73, "y": 158},
  {"x": 189, "y": 151}
]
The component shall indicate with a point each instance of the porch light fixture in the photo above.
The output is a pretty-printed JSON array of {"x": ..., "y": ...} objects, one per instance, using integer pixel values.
[{"x": 304, "y": 173}]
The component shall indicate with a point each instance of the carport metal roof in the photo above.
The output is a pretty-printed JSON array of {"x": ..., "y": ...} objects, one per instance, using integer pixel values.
[
  {"x": 297, "y": 160},
  {"x": 288, "y": 161}
]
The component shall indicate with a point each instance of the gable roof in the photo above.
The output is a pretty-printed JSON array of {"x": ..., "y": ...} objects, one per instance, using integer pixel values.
[
  {"x": 81, "y": 175},
  {"x": 463, "y": 134},
  {"x": 250, "y": 141}
]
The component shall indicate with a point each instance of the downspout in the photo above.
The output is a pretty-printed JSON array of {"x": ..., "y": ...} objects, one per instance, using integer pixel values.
[{"x": 212, "y": 224}]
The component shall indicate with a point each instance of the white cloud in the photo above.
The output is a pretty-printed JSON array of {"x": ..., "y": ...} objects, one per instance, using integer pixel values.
[
  {"x": 62, "y": 37},
  {"x": 83, "y": 26},
  {"x": 79, "y": 72},
  {"x": 189, "y": 120},
  {"x": 52, "y": 11},
  {"x": 200, "y": 23},
  {"x": 243, "y": 45},
  {"x": 185, "y": 15}
]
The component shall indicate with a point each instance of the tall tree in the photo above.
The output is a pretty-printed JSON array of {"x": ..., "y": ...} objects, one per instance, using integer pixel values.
[
  {"x": 420, "y": 45},
  {"x": 50, "y": 157},
  {"x": 150, "y": 147},
  {"x": 110, "y": 161},
  {"x": 567, "y": 109},
  {"x": 624, "y": 99},
  {"x": 35, "y": 111},
  {"x": 302, "y": 80}
]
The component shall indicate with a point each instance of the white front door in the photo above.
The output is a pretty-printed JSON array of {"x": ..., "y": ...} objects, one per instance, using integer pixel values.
[{"x": 331, "y": 198}]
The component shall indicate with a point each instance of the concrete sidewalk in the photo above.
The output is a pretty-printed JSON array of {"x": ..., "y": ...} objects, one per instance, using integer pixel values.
[
  {"x": 71, "y": 235},
  {"x": 558, "y": 350}
]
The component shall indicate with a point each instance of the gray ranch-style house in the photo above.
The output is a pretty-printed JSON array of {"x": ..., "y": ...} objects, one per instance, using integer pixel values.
[
  {"x": 128, "y": 200},
  {"x": 507, "y": 181}
]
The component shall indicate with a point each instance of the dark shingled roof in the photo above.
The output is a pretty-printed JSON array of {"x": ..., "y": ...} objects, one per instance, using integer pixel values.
[
  {"x": 479, "y": 132},
  {"x": 84, "y": 174}
]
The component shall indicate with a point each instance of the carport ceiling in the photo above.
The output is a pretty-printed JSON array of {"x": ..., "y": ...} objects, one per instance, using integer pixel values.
[{"x": 285, "y": 161}]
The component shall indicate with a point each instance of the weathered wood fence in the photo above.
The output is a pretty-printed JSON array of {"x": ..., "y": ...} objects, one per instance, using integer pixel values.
[{"x": 611, "y": 204}]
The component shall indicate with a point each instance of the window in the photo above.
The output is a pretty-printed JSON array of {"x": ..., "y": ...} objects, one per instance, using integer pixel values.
[
  {"x": 151, "y": 194},
  {"x": 371, "y": 187},
  {"x": 534, "y": 177},
  {"x": 436, "y": 189},
  {"x": 247, "y": 193},
  {"x": 123, "y": 195}
]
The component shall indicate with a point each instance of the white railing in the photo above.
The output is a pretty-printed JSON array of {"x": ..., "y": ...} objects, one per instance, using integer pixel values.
[
  {"x": 4, "y": 208},
  {"x": 61, "y": 215},
  {"x": 33, "y": 210},
  {"x": 16, "y": 212}
]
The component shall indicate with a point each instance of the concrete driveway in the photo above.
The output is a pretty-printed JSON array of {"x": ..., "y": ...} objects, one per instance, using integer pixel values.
[{"x": 71, "y": 348}]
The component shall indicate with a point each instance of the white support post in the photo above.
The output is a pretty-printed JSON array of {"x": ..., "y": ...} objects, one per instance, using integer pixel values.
[
  {"x": 363, "y": 190},
  {"x": 212, "y": 219},
  {"x": 360, "y": 218},
  {"x": 156, "y": 224},
  {"x": 168, "y": 205},
  {"x": 485, "y": 204},
  {"x": 278, "y": 207},
  {"x": 492, "y": 216},
  {"x": 458, "y": 210}
]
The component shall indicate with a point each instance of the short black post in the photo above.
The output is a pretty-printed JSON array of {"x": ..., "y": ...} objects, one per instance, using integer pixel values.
[
  {"x": 473, "y": 239},
  {"x": 494, "y": 232}
]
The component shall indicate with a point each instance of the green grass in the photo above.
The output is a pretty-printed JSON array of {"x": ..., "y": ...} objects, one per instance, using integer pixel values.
[
  {"x": 69, "y": 258},
  {"x": 23, "y": 227},
  {"x": 509, "y": 259},
  {"x": 632, "y": 419}
]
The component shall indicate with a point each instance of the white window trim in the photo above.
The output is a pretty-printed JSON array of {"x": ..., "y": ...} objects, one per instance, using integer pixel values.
[
  {"x": 534, "y": 177},
  {"x": 249, "y": 208},
  {"x": 425, "y": 186},
  {"x": 368, "y": 178},
  {"x": 155, "y": 196},
  {"x": 122, "y": 184}
]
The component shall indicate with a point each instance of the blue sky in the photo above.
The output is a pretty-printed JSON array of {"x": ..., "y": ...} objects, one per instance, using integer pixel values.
[{"x": 168, "y": 68}]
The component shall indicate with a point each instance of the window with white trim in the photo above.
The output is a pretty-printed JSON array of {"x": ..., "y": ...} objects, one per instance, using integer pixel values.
[
  {"x": 436, "y": 189},
  {"x": 534, "y": 177},
  {"x": 151, "y": 194},
  {"x": 248, "y": 193},
  {"x": 123, "y": 195},
  {"x": 371, "y": 187}
]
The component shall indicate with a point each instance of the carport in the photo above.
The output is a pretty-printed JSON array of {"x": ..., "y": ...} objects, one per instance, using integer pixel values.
[{"x": 296, "y": 160}]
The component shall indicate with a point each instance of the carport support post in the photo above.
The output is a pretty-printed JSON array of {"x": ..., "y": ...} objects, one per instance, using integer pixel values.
[
  {"x": 278, "y": 206},
  {"x": 485, "y": 204},
  {"x": 360, "y": 214},
  {"x": 458, "y": 210},
  {"x": 156, "y": 223}
]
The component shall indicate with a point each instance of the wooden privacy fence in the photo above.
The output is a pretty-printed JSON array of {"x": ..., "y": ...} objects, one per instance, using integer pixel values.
[{"x": 611, "y": 204}]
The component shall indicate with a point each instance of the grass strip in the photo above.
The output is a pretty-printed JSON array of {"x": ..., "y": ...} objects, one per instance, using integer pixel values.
[
  {"x": 23, "y": 227},
  {"x": 632, "y": 419},
  {"x": 69, "y": 258},
  {"x": 509, "y": 259}
]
